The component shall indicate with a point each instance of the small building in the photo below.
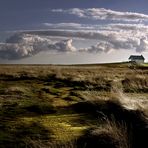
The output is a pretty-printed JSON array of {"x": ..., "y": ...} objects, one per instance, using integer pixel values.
[{"x": 138, "y": 59}]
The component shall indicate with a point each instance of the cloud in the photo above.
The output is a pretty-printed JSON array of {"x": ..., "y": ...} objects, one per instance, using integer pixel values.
[
  {"x": 99, "y": 47},
  {"x": 73, "y": 25},
  {"x": 68, "y": 26},
  {"x": 113, "y": 45},
  {"x": 108, "y": 38},
  {"x": 26, "y": 45},
  {"x": 85, "y": 34},
  {"x": 103, "y": 14},
  {"x": 126, "y": 27},
  {"x": 143, "y": 46},
  {"x": 64, "y": 46},
  {"x": 57, "y": 10},
  {"x": 114, "y": 33}
]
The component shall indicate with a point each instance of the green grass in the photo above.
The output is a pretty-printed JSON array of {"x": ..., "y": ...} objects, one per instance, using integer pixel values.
[{"x": 145, "y": 64}]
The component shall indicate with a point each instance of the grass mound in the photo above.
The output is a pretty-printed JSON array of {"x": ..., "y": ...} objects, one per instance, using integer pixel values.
[
  {"x": 103, "y": 138},
  {"x": 136, "y": 123}
]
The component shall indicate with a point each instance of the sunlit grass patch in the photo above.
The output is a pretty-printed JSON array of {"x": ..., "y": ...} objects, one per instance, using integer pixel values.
[{"x": 62, "y": 126}]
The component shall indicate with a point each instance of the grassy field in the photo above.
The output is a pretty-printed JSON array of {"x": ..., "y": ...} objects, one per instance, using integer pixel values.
[{"x": 99, "y": 105}]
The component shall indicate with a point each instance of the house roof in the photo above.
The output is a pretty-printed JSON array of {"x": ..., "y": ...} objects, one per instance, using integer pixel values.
[{"x": 136, "y": 57}]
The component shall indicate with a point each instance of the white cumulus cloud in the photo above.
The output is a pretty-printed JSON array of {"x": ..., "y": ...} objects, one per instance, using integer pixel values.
[{"x": 26, "y": 45}]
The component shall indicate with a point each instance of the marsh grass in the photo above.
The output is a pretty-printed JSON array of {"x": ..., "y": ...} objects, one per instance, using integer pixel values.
[{"x": 73, "y": 106}]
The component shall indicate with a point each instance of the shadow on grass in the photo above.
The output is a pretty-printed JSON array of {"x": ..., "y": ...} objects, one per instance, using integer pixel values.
[
  {"x": 76, "y": 85},
  {"x": 135, "y": 121},
  {"x": 17, "y": 135},
  {"x": 97, "y": 140},
  {"x": 14, "y": 110},
  {"x": 21, "y": 76}
]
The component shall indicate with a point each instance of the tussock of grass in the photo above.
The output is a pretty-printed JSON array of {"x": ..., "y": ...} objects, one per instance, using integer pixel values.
[
  {"x": 111, "y": 135},
  {"x": 135, "y": 84}
]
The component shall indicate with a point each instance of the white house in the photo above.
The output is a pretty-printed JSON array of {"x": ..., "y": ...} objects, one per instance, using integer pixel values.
[{"x": 139, "y": 59}]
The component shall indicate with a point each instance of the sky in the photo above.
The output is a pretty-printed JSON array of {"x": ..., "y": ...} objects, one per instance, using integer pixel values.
[{"x": 72, "y": 31}]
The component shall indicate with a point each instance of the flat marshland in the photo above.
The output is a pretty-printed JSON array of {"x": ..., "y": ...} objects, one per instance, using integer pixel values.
[{"x": 100, "y": 105}]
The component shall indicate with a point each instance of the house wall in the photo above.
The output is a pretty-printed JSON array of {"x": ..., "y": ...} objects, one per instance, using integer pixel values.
[{"x": 138, "y": 61}]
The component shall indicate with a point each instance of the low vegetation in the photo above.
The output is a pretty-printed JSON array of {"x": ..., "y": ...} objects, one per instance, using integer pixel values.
[{"x": 77, "y": 106}]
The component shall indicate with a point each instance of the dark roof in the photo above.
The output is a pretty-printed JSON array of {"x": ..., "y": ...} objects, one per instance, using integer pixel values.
[{"x": 136, "y": 57}]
